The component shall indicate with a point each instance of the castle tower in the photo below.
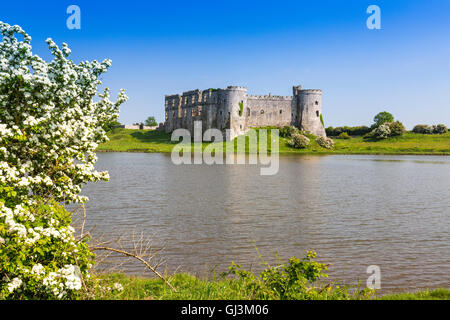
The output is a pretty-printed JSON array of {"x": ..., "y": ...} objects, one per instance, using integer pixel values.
[
  {"x": 309, "y": 104},
  {"x": 236, "y": 105}
]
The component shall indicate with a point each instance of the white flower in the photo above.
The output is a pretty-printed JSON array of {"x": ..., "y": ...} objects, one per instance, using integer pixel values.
[
  {"x": 14, "y": 284},
  {"x": 117, "y": 287},
  {"x": 38, "y": 269}
]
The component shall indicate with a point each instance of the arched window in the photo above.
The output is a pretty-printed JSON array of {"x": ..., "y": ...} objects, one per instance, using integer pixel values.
[{"x": 317, "y": 113}]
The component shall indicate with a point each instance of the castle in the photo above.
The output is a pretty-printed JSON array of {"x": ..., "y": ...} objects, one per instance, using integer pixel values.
[{"x": 232, "y": 108}]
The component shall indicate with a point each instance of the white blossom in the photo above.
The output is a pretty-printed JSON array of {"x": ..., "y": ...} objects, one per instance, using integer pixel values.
[{"x": 48, "y": 137}]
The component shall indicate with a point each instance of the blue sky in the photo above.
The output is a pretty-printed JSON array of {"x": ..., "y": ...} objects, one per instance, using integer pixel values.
[{"x": 160, "y": 48}]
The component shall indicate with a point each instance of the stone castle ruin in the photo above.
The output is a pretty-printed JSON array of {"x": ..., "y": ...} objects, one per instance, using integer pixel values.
[{"x": 232, "y": 108}]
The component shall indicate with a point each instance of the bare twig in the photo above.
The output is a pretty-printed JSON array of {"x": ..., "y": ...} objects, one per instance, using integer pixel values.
[{"x": 129, "y": 254}]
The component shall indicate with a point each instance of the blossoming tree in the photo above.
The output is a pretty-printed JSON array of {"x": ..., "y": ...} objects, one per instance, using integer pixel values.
[{"x": 51, "y": 121}]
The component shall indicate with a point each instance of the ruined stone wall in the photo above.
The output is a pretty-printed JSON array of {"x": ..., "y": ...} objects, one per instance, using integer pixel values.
[
  {"x": 209, "y": 106},
  {"x": 270, "y": 111},
  {"x": 232, "y": 108}
]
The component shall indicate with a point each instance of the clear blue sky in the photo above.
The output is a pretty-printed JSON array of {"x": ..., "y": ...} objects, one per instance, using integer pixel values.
[{"x": 166, "y": 47}]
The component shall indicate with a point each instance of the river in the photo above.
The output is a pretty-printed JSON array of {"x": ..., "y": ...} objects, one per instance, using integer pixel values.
[{"x": 354, "y": 210}]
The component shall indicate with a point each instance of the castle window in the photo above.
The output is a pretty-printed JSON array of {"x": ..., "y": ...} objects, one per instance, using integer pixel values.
[
  {"x": 317, "y": 113},
  {"x": 262, "y": 111},
  {"x": 281, "y": 111},
  {"x": 240, "y": 126},
  {"x": 220, "y": 112},
  {"x": 317, "y": 103}
]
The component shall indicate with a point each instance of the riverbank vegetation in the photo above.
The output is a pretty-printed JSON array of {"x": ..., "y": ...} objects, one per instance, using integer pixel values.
[
  {"x": 296, "y": 279},
  {"x": 410, "y": 143},
  {"x": 118, "y": 286}
]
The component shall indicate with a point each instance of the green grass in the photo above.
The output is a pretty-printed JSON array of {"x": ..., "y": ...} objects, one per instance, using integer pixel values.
[
  {"x": 192, "y": 288},
  {"x": 437, "y": 294},
  {"x": 126, "y": 140}
]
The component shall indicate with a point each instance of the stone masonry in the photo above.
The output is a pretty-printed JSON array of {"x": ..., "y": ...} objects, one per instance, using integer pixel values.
[{"x": 232, "y": 108}]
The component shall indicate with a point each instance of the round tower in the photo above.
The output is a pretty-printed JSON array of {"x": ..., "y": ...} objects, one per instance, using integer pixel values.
[
  {"x": 236, "y": 104},
  {"x": 309, "y": 104}
]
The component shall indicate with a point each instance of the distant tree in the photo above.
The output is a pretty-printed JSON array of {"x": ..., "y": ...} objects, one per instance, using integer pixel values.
[
  {"x": 151, "y": 122},
  {"x": 383, "y": 117},
  {"x": 111, "y": 125}
]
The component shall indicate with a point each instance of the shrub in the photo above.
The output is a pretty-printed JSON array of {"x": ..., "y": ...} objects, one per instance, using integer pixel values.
[
  {"x": 344, "y": 135},
  {"x": 352, "y": 131},
  {"x": 325, "y": 142},
  {"x": 397, "y": 128},
  {"x": 296, "y": 280},
  {"x": 287, "y": 131},
  {"x": 40, "y": 257},
  {"x": 440, "y": 129},
  {"x": 426, "y": 129},
  {"x": 422, "y": 128},
  {"x": 50, "y": 127},
  {"x": 298, "y": 141},
  {"x": 379, "y": 133}
]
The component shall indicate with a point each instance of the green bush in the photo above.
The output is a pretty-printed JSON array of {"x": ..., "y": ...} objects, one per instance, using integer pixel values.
[
  {"x": 344, "y": 135},
  {"x": 426, "y": 129},
  {"x": 295, "y": 280},
  {"x": 422, "y": 128},
  {"x": 386, "y": 130},
  {"x": 379, "y": 133},
  {"x": 397, "y": 128},
  {"x": 287, "y": 131},
  {"x": 298, "y": 141},
  {"x": 440, "y": 129},
  {"x": 325, "y": 142},
  {"x": 352, "y": 131}
]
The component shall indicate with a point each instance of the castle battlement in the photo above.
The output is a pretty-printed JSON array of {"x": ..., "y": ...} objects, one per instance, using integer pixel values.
[
  {"x": 236, "y": 88},
  {"x": 269, "y": 97},
  {"x": 235, "y": 110}
]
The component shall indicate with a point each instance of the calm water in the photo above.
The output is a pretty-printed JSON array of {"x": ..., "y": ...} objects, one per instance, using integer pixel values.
[{"x": 355, "y": 211}]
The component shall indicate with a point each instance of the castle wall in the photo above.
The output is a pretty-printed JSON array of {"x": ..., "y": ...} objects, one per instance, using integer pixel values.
[
  {"x": 209, "y": 106},
  {"x": 232, "y": 108},
  {"x": 270, "y": 111}
]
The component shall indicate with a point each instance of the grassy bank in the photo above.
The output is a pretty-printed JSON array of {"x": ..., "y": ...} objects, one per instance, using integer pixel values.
[
  {"x": 193, "y": 288},
  {"x": 126, "y": 140}
]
